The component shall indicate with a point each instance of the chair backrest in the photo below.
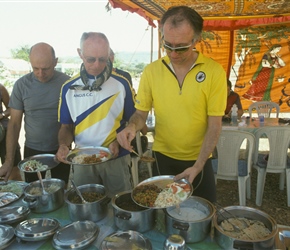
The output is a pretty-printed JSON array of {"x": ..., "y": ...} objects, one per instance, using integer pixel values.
[
  {"x": 228, "y": 151},
  {"x": 264, "y": 108},
  {"x": 279, "y": 139}
]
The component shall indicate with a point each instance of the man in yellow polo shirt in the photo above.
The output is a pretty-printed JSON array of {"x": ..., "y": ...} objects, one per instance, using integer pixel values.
[{"x": 189, "y": 92}]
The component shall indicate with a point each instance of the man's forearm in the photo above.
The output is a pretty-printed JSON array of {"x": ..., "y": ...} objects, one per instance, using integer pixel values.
[{"x": 138, "y": 121}]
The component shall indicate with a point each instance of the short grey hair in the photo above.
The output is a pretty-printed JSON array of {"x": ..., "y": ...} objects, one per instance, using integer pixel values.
[{"x": 87, "y": 35}]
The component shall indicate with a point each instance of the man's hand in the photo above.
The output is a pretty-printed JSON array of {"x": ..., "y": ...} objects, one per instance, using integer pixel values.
[
  {"x": 126, "y": 136},
  {"x": 188, "y": 174},
  {"x": 114, "y": 148},
  {"x": 62, "y": 153},
  {"x": 6, "y": 170}
]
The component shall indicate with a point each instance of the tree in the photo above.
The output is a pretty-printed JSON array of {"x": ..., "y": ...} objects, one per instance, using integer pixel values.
[{"x": 21, "y": 53}]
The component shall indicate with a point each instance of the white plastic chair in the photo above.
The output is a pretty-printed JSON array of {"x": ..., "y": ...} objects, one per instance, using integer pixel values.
[
  {"x": 279, "y": 139},
  {"x": 229, "y": 166},
  {"x": 264, "y": 108}
]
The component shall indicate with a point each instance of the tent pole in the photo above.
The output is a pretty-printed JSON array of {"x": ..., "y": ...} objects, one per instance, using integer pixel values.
[{"x": 151, "y": 54}]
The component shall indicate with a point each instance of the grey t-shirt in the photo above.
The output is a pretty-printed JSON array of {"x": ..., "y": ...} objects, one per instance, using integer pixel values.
[{"x": 39, "y": 102}]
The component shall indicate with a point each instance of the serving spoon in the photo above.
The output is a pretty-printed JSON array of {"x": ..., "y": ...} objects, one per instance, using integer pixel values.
[
  {"x": 78, "y": 192},
  {"x": 41, "y": 182},
  {"x": 143, "y": 158}
]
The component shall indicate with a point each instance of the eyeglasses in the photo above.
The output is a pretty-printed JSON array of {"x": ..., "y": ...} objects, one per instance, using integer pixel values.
[
  {"x": 94, "y": 59},
  {"x": 178, "y": 50}
]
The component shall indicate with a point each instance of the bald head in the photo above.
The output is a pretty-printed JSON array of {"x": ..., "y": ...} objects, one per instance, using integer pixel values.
[{"x": 43, "y": 61}]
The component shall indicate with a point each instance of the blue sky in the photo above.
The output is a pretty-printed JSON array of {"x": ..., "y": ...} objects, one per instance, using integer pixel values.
[{"x": 61, "y": 23}]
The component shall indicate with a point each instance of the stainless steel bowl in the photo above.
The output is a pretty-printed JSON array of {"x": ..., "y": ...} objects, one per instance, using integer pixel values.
[
  {"x": 174, "y": 242},
  {"x": 93, "y": 211},
  {"x": 228, "y": 242},
  {"x": 193, "y": 228},
  {"x": 40, "y": 203}
]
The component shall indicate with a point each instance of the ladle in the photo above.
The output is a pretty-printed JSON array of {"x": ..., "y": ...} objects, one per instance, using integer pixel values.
[
  {"x": 41, "y": 183},
  {"x": 236, "y": 228},
  {"x": 78, "y": 192}
]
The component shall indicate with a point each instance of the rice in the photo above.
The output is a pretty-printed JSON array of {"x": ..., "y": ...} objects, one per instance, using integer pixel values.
[
  {"x": 79, "y": 159},
  {"x": 166, "y": 199},
  {"x": 37, "y": 191}
]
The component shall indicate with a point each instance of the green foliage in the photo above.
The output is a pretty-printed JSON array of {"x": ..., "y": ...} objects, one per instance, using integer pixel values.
[
  {"x": 4, "y": 79},
  {"x": 135, "y": 69},
  {"x": 21, "y": 53}
]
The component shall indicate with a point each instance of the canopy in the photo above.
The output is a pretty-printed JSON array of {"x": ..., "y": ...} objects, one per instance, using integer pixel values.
[{"x": 249, "y": 38}]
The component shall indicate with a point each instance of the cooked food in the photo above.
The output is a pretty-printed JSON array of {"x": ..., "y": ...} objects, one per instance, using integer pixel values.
[
  {"x": 12, "y": 187},
  {"x": 188, "y": 214},
  {"x": 50, "y": 189},
  {"x": 130, "y": 205},
  {"x": 173, "y": 194},
  {"x": 249, "y": 229},
  {"x": 90, "y": 159},
  {"x": 34, "y": 165},
  {"x": 147, "y": 159},
  {"x": 151, "y": 195},
  {"x": 88, "y": 196},
  {"x": 6, "y": 198},
  {"x": 146, "y": 195}
]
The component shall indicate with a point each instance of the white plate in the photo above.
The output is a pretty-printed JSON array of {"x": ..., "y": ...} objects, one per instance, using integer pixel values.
[{"x": 160, "y": 182}]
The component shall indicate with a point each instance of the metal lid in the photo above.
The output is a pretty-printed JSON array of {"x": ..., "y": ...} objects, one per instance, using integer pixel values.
[
  {"x": 36, "y": 229},
  {"x": 126, "y": 240},
  {"x": 76, "y": 235},
  {"x": 9, "y": 215},
  {"x": 6, "y": 236}
]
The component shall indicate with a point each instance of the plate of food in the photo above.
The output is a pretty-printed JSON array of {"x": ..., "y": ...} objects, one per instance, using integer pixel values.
[
  {"x": 38, "y": 163},
  {"x": 89, "y": 155},
  {"x": 11, "y": 191},
  {"x": 161, "y": 192}
]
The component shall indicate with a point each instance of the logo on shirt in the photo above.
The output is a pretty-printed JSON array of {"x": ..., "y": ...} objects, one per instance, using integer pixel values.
[
  {"x": 83, "y": 94},
  {"x": 200, "y": 77}
]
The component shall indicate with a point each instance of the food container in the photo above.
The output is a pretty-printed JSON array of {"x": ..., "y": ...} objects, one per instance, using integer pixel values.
[
  {"x": 93, "y": 211},
  {"x": 6, "y": 236},
  {"x": 174, "y": 242},
  {"x": 228, "y": 242},
  {"x": 77, "y": 235},
  {"x": 130, "y": 216},
  {"x": 126, "y": 240},
  {"x": 192, "y": 221},
  {"x": 36, "y": 229},
  {"x": 10, "y": 215},
  {"x": 40, "y": 203}
]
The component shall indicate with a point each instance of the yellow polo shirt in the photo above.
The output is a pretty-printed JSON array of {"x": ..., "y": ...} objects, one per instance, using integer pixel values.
[{"x": 181, "y": 113}]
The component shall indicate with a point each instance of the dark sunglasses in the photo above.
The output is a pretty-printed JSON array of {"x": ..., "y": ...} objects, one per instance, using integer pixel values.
[
  {"x": 94, "y": 59},
  {"x": 177, "y": 50}
]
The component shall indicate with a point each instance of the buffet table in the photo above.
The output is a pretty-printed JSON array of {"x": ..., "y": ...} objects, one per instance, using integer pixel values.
[{"x": 156, "y": 236}]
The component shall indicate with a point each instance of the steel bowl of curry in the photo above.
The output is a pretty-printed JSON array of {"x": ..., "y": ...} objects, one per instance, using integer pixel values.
[{"x": 96, "y": 206}]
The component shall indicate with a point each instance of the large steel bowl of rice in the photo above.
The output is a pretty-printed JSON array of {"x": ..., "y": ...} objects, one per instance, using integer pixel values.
[
  {"x": 241, "y": 227},
  {"x": 44, "y": 203}
]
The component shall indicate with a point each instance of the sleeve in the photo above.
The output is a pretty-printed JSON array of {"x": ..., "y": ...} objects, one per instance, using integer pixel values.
[{"x": 16, "y": 100}]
